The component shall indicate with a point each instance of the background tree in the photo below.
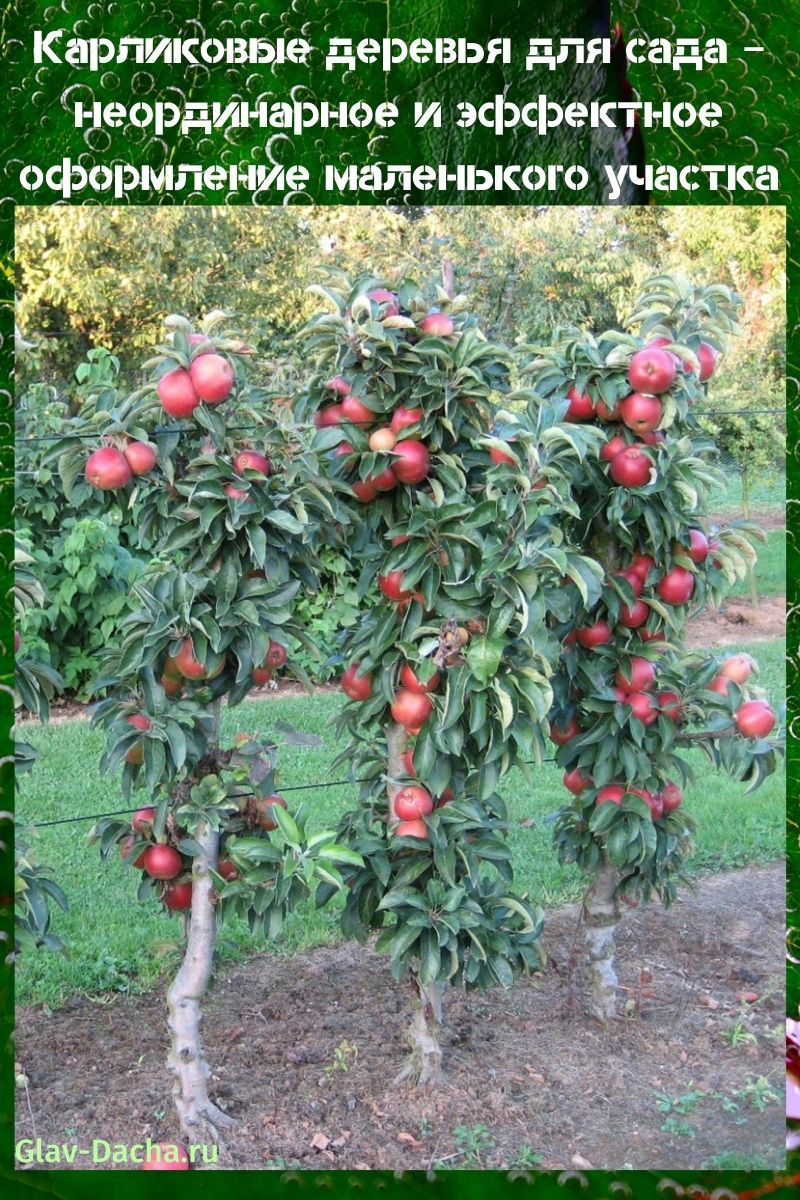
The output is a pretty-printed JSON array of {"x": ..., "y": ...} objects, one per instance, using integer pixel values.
[
  {"x": 460, "y": 534},
  {"x": 629, "y": 699},
  {"x": 232, "y": 506}
]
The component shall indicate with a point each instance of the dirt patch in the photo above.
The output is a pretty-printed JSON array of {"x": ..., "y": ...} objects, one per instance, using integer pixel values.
[
  {"x": 770, "y": 518},
  {"x": 739, "y": 620},
  {"x": 524, "y": 1064}
]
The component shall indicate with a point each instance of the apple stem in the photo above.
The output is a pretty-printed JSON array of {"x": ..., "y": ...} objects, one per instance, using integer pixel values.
[
  {"x": 600, "y": 919},
  {"x": 424, "y": 1065},
  {"x": 396, "y": 741}
]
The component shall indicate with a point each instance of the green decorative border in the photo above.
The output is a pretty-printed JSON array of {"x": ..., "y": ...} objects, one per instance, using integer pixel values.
[{"x": 760, "y": 94}]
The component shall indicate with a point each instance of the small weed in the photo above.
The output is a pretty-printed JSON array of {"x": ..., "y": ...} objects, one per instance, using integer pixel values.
[
  {"x": 758, "y": 1092},
  {"x": 344, "y": 1057},
  {"x": 425, "y": 1128},
  {"x": 681, "y": 1128},
  {"x": 680, "y": 1104},
  {"x": 735, "y": 1160},
  {"x": 473, "y": 1143},
  {"x": 526, "y": 1157},
  {"x": 280, "y": 1164}
]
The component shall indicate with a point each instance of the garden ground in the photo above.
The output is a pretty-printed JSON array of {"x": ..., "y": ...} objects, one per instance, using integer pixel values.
[{"x": 303, "y": 1052}]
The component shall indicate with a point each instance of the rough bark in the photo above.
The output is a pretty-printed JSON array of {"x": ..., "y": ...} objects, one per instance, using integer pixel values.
[
  {"x": 201, "y": 1120},
  {"x": 423, "y": 1067},
  {"x": 600, "y": 919}
]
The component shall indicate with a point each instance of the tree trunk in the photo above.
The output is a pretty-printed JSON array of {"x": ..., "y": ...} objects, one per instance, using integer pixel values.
[
  {"x": 424, "y": 1065},
  {"x": 201, "y": 1120},
  {"x": 600, "y": 919},
  {"x": 396, "y": 741}
]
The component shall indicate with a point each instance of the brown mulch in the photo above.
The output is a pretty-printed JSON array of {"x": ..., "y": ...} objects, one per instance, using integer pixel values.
[{"x": 527, "y": 1065}]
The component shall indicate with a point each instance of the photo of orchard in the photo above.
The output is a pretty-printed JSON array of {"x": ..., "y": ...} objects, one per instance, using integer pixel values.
[{"x": 399, "y": 607}]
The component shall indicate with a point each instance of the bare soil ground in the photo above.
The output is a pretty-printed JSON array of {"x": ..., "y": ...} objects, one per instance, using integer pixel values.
[
  {"x": 738, "y": 620},
  {"x": 525, "y": 1064}
]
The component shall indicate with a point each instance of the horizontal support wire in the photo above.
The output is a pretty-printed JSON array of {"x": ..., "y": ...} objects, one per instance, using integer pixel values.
[{"x": 299, "y": 787}]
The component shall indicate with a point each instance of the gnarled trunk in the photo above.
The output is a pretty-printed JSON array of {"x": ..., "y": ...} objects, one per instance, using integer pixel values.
[
  {"x": 201, "y": 1120},
  {"x": 600, "y": 919},
  {"x": 424, "y": 1065}
]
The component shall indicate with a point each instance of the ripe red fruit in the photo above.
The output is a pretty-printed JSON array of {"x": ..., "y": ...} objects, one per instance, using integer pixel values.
[
  {"x": 234, "y": 493},
  {"x": 604, "y": 413},
  {"x": 126, "y": 849},
  {"x": 177, "y": 393},
  {"x": 642, "y": 564},
  {"x": 634, "y": 615},
  {"x": 17, "y": 641},
  {"x": 251, "y": 460},
  {"x": 670, "y": 705},
  {"x": 264, "y": 807},
  {"x": 655, "y": 635},
  {"x": 172, "y": 684},
  {"x": 500, "y": 456},
  {"x": 641, "y": 413},
  {"x": 178, "y": 897},
  {"x": 403, "y": 417},
  {"x": 738, "y": 667},
  {"x": 185, "y": 662},
  {"x": 436, "y": 324},
  {"x": 720, "y": 685},
  {"x": 411, "y": 683},
  {"x": 212, "y": 377},
  {"x": 141, "y": 457},
  {"x": 331, "y": 414},
  {"x": 166, "y": 1156},
  {"x": 611, "y": 794},
  {"x": 385, "y": 480},
  {"x": 671, "y": 797},
  {"x": 276, "y": 656},
  {"x": 387, "y": 299},
  {"x": 639, "y": 676},
  {"x": 581, "y": 407},
  {"x": 143, "y": 819},
  {"x": 365, "y": 491},
  {"x": 412, "y": 802},
  {"x": 162, "y": 862},
  {"x": 698, "y": 546},
  {"x": 597, "y": 634},
  {"x": 707, "y": 357},
  {"x": 613, "y": 446},
  {"x": 561, "y": 734},
  {"x": 416, "y": 829},
  {"x": 108, "y": 469},
  {"x": 342, "y": 449},
  {"x": 355, "y": 686},
  {"x": 227, "y": 870},
  {"x": 632, "y": 578},
  {"x": 410, "y": 709},
  {"x": 391, "y": 585},
  {"x": 412, "y": 462},
  {"x": 652, "y": 371},
  {"x": 631, "y": 467},
  {"x": 382, "y": 440},
  {"x": 653, "y": 437},
  {"x": 338, "y": 385},
  {"x": 754, "y": 719},
  {"x": 576, "y": 782},
  {"x": 653, "y": 802},
  {"x": 261, "y": 675},
  {"x": 676, "y": 586},
  {"x": 140, "y": 721},
  {"x": 644, "y": 707},
  {"x": 356, "y": 413}
]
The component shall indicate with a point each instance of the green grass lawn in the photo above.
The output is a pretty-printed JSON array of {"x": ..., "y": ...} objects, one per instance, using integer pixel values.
[
  {"x": 116, "y": 943},
  {"x": 770, "y": 572},
  {"x": 766, "y": 492}
]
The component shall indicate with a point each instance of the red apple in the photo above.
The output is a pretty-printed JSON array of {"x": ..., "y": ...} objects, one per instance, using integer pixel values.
[
  {"x": 644, "y": 707},
  {"x": 412, "y": 802},
  {"x": 671, "y": 797},
  {"x": 576, "y": 782},
  {"x": 641, "y": 413},
  {"x": 652, "y": 371},
  {"x": 411, "y": 461},
  {"x": 403, "y": 418},
  {"x": 676, "y": 586},
  {"x": 613, "y": 446},
  {"x": 634, "y": 615},
  {"x": 162, "y": 862},
  {"x": 639, "y": 676},
  {"x": 356, "y": 413},
  {"x": 597, "y": 634},
  {"x": 754, "y": 719},
  {"x": 561, "y": 734},
  {"x": 581, "y": 406},
  {"x": 631, "y": 467},
  {"x": 177, "y": 393},
  {"x": 611, "y": 794},
  {"x": 436, "y": 324},
  {"x": 355, "y": 686},
  {"x": 411, "y": 683}
]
